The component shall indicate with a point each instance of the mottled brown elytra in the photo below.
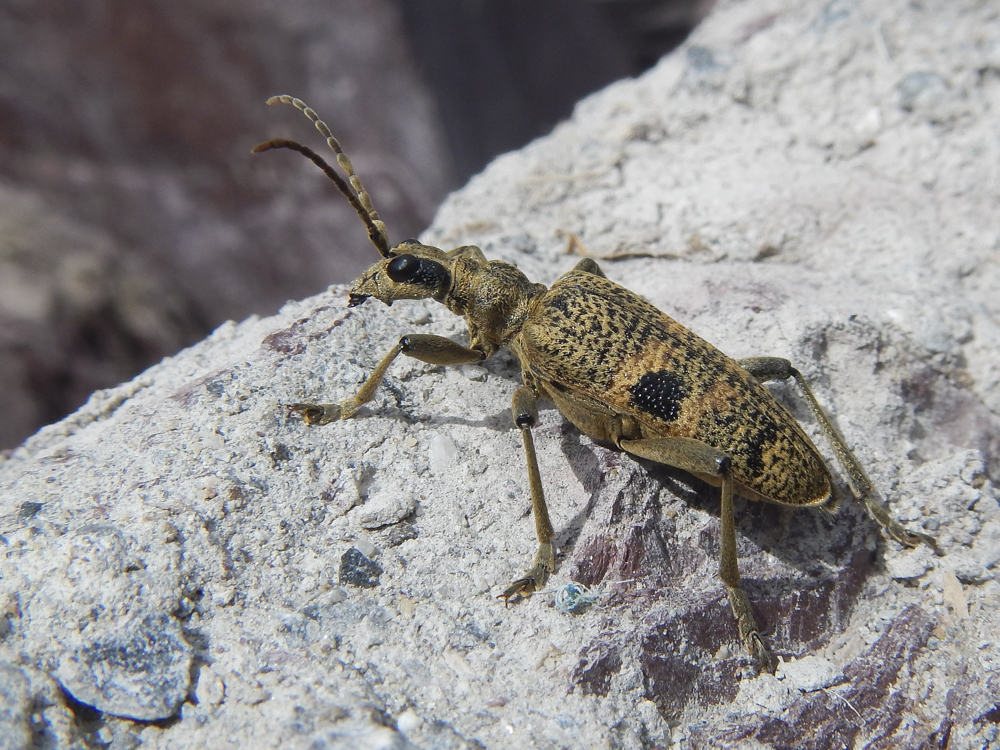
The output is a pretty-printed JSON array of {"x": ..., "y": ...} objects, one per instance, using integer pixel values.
[{"x": 617, "y": 368}]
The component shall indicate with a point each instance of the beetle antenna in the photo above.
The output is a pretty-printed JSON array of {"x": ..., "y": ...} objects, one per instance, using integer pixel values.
[
  {"x": 358, "y": 197},
  {"x": 376, "y": 230}
]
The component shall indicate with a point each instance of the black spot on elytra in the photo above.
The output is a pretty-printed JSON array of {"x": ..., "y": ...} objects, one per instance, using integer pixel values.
[{"x": 660, "y": 394}]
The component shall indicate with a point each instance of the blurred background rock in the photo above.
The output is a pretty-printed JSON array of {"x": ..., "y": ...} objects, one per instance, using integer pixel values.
[{"x": 133, "y": 218}]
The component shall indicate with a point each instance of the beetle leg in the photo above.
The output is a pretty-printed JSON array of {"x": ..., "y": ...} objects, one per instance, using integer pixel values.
[
  {"x": 524, "y": 408},
  {"x": 776, "y": 368},
  {"x": 704, "y": 460},
  {"x": 589, "y": 265},
  {"x": 435, "y": 350}
]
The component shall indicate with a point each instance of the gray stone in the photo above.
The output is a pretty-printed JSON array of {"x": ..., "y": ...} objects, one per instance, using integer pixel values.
[
  {"x": 810, "y": 673},
  {"x": 139, "y": 670},
  {"x": 386, "y": 509},
  {"x": 358, "y": 570},
  {"x": 910, "y": 564}
]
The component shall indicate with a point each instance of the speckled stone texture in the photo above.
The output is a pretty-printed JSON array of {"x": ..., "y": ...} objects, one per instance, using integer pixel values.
[{"x": 817, "y": 181}]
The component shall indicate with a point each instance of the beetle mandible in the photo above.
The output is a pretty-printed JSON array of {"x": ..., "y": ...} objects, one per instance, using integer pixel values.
[{"x": 619, "y": 369}]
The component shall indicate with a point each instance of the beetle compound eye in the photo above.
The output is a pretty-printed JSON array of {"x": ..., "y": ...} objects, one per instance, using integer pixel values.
[
  {"x": 431, "y": 277},
  {"x": 403, "y": 268}
]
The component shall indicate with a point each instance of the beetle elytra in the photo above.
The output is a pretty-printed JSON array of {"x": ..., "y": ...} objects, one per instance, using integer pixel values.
[{"x": 620, "y": 370}]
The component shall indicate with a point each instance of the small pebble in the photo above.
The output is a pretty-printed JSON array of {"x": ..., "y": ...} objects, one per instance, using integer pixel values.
[
  {"x": 408, "y": 721},
  {"x": 358, "y": 570}
]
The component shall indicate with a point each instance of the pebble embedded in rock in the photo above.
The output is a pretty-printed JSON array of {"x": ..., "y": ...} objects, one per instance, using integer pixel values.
[
  {"x": 810, "y": 673},
  {"x": 909, "y": 564},
  {"x": 441, "y": 454},
  {"x": 358, "y": 570},
  {"x": 140, "y": 670},
  {"x": 386, "y": 510}
]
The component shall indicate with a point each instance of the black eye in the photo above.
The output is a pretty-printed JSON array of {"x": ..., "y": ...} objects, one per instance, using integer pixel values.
[{"x": 403, "y": 267}]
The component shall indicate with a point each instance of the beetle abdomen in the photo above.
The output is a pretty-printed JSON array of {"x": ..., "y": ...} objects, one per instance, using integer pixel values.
[{"x": 592, "y": 336}]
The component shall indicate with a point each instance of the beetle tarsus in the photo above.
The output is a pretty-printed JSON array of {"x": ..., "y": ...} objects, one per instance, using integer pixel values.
[
  {"x": 317, "y": 413},
  {"x": 524, "y": 587},
  {"x": 762, "y": 656},
  {"x": 535, "y": 578}
]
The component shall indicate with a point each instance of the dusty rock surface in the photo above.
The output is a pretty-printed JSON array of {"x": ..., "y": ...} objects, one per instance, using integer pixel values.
[{"x": 185, "y": 565}]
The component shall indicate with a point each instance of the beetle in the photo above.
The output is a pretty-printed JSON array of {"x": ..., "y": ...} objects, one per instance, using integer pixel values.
[{"x": 616, "y": 367}]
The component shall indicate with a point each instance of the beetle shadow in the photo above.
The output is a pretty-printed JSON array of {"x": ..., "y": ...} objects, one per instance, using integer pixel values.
[
  {"x": 402, "y": 406},
  {"x": 803, "y": 571},
  {"x": 810, "y": 541}
]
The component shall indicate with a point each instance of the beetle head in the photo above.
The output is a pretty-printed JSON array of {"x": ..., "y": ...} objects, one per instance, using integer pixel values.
[{"x": 411, "y": 271}]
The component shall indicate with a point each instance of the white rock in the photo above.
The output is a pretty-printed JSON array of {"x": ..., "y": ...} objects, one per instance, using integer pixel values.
[
  {"x": 909, "y": 564},
  {"x": 408, "y": 721},
  {"x": 783, "y": 219},
  {"x": 210, "y": 690},
  {"x": 809, "y": 673},
  {"x": 441, "y": 453}
]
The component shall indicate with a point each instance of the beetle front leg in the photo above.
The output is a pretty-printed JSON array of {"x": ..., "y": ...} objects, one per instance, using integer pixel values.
[
  {"x": 776, "y": 368},
  {"x": 524, "y": 408},
  {"x": 702, "y": 459},
  {"x": 435, "y": 350}
]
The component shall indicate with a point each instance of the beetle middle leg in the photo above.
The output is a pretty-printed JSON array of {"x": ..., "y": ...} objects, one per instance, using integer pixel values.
[
  {"x": 776, "y": 368},
  {"x": 589, "y": 265},
  {"x": 524, "y": 409},
  {"x": 713, "y": 465},
  {"x": 434, "y": 350}
]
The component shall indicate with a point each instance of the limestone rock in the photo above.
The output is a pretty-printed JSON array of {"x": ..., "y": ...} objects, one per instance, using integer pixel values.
[{"x": 783, "y": 185}]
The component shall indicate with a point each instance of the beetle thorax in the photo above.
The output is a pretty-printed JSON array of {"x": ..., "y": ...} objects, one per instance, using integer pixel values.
[{"x": 495, "y": 297}]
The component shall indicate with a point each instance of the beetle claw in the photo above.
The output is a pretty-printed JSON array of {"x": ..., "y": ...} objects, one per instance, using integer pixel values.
[
  {"x": 317, "y": 413},
  {"x": 524, "y": 587},
  {"x": 762, "y": 656}
]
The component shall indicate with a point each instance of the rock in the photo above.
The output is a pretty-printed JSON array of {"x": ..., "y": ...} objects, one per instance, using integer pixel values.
[
  {"x": 210, "y": 690},
  {"x": 774, "y": 214},
  {"x": 105, "y": 598},
  {"x": 387, "y": 509},
  {"x": 358, "y": 570},
  {"x": 15, "y": 709},
  {"x": 910, "y": 564},
  {"x": 809, "y": 673},
  {"x": 33, "y": 711},
  {"x": 441, "y": 454},
  {"x": 139, "y": 670}
]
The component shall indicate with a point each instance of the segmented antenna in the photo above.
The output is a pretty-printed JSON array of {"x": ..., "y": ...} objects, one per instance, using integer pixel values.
[{"x": 358, "y": 197}]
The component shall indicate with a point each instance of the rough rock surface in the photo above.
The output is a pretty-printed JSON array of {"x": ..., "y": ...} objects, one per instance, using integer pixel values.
[{"x": 811, "y": 180}]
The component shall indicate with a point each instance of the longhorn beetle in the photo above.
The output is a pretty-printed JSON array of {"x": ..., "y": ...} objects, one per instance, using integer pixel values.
[{"x": 616, "y": 367}]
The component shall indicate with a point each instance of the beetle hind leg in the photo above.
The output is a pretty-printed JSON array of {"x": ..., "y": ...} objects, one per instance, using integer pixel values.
[
  {"x": 776, "y": 368},
  {"x": 704, "y": 460}
]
